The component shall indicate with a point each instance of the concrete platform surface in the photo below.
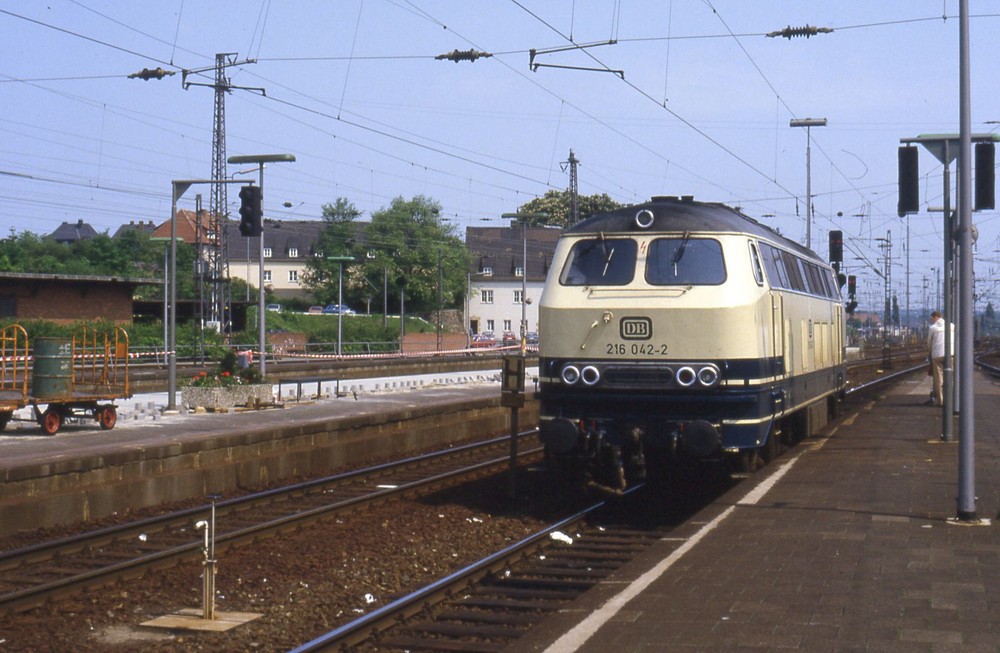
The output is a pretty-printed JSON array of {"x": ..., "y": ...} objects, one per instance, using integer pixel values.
[{"x": 847, "y": 543}]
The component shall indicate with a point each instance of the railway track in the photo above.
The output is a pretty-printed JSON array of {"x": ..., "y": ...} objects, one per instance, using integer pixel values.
[
  {"x": 489, "y": 604},
  {"x": 32, "y": 575}
]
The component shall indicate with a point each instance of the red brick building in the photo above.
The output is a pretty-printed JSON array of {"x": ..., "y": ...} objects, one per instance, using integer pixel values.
[{"x": 66, "y": 299}]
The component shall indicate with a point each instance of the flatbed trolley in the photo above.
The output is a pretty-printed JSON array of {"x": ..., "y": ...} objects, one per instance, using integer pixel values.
[{"x": 75, "y": 377}]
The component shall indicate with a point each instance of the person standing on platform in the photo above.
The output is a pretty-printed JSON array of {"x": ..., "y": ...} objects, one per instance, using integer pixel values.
[{"x": 935, "y": 354}]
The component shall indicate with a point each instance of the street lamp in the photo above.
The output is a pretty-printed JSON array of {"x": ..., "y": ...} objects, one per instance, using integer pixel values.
[
  {"x": 523, "y": 219},
  {"x": 260, "y": 160},
  {"x": 340, "y": 260},
  {"x": 808, "y": 123}
]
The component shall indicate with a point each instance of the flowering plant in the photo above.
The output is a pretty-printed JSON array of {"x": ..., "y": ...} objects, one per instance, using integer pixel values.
[
  {"x": 227, "y": 374},
  {"x": 222, "y": 379}
]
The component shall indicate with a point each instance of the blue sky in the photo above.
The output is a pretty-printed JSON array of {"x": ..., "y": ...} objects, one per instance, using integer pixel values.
[{"x": 702, "y": 107}]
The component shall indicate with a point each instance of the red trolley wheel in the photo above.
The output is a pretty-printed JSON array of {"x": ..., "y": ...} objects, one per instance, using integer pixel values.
[
  {"x": 108, "y": 417},
  {"x": 51, "y": 421}
]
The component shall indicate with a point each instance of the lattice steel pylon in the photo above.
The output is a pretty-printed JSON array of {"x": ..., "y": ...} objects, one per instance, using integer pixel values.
[
  {"x": 217, "y": 250},
  {"x": 574, "y": 189},
  {"x": 213, "y": 251}
]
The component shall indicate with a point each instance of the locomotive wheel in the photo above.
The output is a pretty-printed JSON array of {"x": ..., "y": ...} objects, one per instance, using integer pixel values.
[
  {"x": 771, "y": 448},
  {"x": 51, "y": 421},
  {"x": 5, "y": 418},
  {"x": 748, "y": 461},
  {"x": 107, "y": 417}
]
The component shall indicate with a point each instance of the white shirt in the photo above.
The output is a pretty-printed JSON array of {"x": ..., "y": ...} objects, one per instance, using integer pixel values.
[{"x": 935, "y": 338}]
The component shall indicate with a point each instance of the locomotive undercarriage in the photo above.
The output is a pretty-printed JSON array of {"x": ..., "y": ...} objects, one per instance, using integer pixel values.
[{"x": 608, "y": 440}]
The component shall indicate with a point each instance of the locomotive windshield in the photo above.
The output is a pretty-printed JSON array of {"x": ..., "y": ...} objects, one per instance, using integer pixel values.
[
  {"x": 685, "y": 261},
  {"x": 600, "y": 262}
]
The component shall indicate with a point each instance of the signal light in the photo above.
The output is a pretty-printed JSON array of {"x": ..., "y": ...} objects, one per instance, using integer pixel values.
[
  {"x": 909, "y": 181},
  {"x": 250, "y": 211},
  {"x": 836, "y": 246},
  {"x": 985, "y": 174}
]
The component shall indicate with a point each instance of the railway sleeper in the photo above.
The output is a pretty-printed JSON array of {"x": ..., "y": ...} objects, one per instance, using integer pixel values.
[
  {"x": 413, "y": 643},
  {"x": 501, "y": 590},
  {"x": 501, "y": 603},
  {"x": 457, "y": 630},
  {"x": 479, "y": 616}
]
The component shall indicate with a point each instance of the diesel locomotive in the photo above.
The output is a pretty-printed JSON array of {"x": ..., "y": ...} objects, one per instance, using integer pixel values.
[{"x": 678, "y": 329}]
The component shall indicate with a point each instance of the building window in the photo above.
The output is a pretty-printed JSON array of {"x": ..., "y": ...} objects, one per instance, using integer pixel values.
[
  {"x": 293, "y": 252},
  {"x": 267, "y": 252},
  {"x": 487, "y": 297},
  {"x": 506, "y": 325},
  {"x": 519, "y": 271},
  {"x": 486, "y": 271},
  {"x": 490, "y": 326},
  {"x": 267, "y": 276},
  {"x": 518, "y": 296},
  {"x": 293, "y": 276}
]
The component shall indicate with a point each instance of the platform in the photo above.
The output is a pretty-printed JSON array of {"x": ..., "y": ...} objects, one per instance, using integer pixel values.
[
  {"x": 156, "y": 457},
  {"x": 846, "y": 543}
]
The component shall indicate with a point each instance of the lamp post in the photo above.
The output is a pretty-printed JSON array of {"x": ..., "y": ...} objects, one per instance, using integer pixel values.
[
  {"x": 340, "y": 260},
  {"x": 523, "y": 219},
  {"x": 808, "y": 123},
  {"x": 260, "y": 160}
]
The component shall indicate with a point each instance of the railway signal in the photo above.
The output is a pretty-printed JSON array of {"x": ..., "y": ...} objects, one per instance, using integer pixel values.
[
  {"x": 852, "y": 288},
  {"x": 250, "y": 211}
]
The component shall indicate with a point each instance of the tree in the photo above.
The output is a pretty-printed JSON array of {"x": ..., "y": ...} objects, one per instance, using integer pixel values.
[
  {"x": 409, "y": 242},
  {"x": 895, "y": 311},
  {"x": 557, "y": 203},
  {"x": 989, "y": 320},
  {"x": 132, "y": 254},
  {"x": 338, "y": 238}
]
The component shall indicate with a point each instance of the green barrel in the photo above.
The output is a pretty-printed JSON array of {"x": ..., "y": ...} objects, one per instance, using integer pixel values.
[{"x": 52, "y": 372}]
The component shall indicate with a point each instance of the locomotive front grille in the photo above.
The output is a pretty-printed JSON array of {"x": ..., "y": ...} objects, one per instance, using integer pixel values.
[{"x": 638, "y": 376}]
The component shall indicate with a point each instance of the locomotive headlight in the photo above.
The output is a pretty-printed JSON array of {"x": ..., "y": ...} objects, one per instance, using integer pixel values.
[
  {"x": 686, "y": 376},
  {"x": 644, "y": 219},
  {"x": 708, "y": 376},
  {"x": 590, "y": 375},
  {"x": 570, "y": 374}
]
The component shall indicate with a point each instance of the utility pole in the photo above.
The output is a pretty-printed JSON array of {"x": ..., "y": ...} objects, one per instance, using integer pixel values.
[{"x": 885, "y": 244}]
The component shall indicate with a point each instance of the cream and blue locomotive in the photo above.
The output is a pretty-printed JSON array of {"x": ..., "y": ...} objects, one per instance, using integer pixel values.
[{"x": 677, "y": 329}]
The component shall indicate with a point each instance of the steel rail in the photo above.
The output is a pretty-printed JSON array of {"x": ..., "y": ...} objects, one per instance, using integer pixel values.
[
  {"x": 171, "y": 555},
  {"x": 356, "y": 632}
]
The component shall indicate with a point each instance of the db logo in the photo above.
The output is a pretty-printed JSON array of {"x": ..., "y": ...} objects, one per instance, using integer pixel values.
[{"x": 636, "y": 328}]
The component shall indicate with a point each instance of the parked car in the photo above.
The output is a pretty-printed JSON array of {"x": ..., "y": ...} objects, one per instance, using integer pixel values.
[
  {"x": 509, "y": 338},
  {"x": 338, "y": 309},
  {"x": 315, "y": 310},
  {"x": 532, "y": 337},
  {"x": 276, "y": 308},
  {"x": 483, "y": 340}
]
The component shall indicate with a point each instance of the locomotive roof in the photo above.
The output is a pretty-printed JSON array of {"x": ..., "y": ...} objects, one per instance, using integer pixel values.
[{"x": 680, "y": 214}]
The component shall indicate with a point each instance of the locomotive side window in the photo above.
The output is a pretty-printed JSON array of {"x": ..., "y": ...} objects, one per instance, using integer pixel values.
[
  {"x": 600, "y": 262},
  {"x": 795, "y": 281},
  {"x": 685, "y": 261},
  {"x": 787, "y": 271},
  {"x": 758, "y": 272},
  {"x": 775, "y": 266}
]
